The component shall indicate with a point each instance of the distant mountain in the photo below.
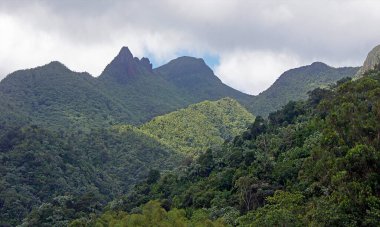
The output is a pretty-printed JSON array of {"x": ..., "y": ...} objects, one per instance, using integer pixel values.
[
  {"x": 372, "y": 60},
  {"x": 134, "y": 85},
  {"x": 294, "y": 84},
  {"x": 193, "y": 77},
  {"x": 194, "y": 129}
]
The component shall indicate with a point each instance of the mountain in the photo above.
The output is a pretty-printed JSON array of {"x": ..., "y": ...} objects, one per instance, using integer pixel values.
[
  {"x": 143, "y": 93},
  {"x": 127, "y": 91},
  {"x": 152, "y": 92},
  {"x": 294, "y": 85},
  {"x": 372, "y": 60},
  {"x": 194, "y": 129},
  {"x": 193, "y": 77},
  {"x": 38, "y": 166}
]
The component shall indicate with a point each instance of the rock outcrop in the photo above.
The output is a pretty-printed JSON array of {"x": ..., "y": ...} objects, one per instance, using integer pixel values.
[{"x": 372, "y": 60}]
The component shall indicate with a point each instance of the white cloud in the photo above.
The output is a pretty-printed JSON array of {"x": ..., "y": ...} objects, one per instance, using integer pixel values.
[{"x": 255, "y": 71}]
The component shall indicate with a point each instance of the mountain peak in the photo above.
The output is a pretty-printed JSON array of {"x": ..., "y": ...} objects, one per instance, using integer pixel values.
[
  {"x": 318, "y": 66},
  {"x": 372, "y": 60},
  {"x": 124, "y": 56},
  {"x": 125, "y": 66},
  {"x": 54, "y": 66},
  {"x": 186, "y": 65}
]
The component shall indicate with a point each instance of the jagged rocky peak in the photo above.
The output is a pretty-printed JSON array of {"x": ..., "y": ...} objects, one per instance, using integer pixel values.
[
  {"x": 372, "y": 60},
  {"x": 146, "y": 63},
  {"x": 125, "y": 65},
  {"x": 125, "y": 56}
]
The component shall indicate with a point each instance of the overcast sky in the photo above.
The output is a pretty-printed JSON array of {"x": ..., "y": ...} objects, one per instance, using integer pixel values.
[{"x": 248, "y": 43}]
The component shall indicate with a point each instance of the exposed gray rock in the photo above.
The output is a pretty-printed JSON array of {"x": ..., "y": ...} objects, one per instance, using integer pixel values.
[{"x": 373, "y": 59}]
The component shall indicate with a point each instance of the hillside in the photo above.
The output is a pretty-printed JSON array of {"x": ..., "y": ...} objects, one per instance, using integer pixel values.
[
  {"x": 294, "y": 84},
  {"x": 194, "y": 129},
  {"x": 313, "y": 162},
  {"x": 56, "y": 97},
  {"x": 38, "y": 166}
]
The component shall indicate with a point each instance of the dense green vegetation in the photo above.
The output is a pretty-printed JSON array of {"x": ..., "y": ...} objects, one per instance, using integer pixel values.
[
  {"x": 56, "y": 97},
  {"x": 38, "y": 166},
  {"x": 294, "y": 84},
  {"x": 313, "y": 162},
  {"x": 152, "y": 214},
  {"x": 197, "y": 127}
]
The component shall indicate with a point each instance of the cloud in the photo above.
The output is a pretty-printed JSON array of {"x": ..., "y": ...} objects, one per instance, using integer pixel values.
[
  {"x": 255, "y": 40},
  {"x": 254, "y": 71}
]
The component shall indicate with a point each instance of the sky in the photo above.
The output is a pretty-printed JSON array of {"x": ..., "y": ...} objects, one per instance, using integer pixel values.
[{"x": 247, "y": 43}]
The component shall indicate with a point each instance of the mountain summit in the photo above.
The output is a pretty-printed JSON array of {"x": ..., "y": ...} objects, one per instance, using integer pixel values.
[{"x": 125, "y": 66}]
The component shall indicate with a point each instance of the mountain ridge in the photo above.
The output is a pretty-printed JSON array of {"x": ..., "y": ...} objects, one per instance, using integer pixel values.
[{"x": 122, "y": 88}]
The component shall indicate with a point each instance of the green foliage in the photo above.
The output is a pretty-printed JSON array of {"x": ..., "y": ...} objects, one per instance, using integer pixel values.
[
  {"x": 38, "y": 165},
  {"x": 207, "y": 124},
  {"x": 283, "y": 209},
  {"x": 152, "y": 215}
]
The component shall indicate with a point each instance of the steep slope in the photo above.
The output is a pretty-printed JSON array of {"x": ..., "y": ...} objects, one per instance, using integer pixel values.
[
  {"x": 294, "y": 84},
  {"x": 207, "y": 124},
  {"x": 193, "y": 77},
  {"x": 54, "y": 96},
  {"x": 37, "y": 165},
  {"x": 132, "y": 82},
  {"x": 372, "y": 60}
]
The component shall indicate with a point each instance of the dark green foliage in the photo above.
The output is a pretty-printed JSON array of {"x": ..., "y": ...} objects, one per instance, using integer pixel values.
[
  {"x": 56, "y": 97},
  {"x": 38, "y": 165}
]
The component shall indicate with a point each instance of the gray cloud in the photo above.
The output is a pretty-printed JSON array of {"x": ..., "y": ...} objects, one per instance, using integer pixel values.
[{"x": 255, "y": 40}]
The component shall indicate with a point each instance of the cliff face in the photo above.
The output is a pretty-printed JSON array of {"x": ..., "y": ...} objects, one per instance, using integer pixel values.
[{"x": 373, "y": 59}]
